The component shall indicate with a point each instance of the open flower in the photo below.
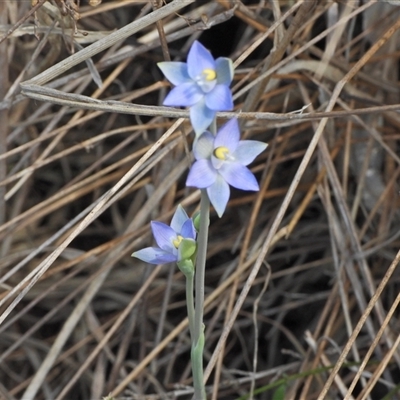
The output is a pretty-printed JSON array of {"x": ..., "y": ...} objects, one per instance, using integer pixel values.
[
  {"x": 201, "y": 84},
  {"x": 221, "y": 161},
  {"x": 172, "y": 240}
]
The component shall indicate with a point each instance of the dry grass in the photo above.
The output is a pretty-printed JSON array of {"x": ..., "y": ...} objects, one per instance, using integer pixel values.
[{"x": 301, "y": 285}]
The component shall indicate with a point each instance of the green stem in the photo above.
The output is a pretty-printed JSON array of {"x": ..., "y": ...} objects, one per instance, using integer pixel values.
[
  {"x": 198, "y": 337},
  {"x": 190, "y": 302},
  {"x": 197, "y": 367},
  {"x": 200, "y": 270}
]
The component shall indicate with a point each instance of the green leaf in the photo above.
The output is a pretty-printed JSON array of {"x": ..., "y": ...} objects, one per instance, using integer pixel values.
[
  {"x": 196, "y": 220},
  {"x": 279, "y": 393}
]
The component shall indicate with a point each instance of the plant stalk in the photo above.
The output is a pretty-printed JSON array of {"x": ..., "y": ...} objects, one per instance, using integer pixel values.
[
  {"x": 190, "y": 302},
  {"x": 198, "y": 337}
]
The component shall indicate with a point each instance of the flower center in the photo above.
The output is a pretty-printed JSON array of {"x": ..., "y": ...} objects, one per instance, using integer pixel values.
[
  {"x": 221, "y": 153},
  {"x": 177, "y": 241},
  {"x": 209, "y": 74}
]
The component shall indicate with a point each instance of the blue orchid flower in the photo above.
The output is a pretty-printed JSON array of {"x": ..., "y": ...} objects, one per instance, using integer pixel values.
[
  {"x": 221, "y": 161},
  {"x": 170, "y": 240},
  {"x": 201, "y": 84}
]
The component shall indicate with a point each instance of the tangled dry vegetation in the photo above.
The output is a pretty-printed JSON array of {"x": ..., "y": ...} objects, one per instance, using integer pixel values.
[{"x": 302, "y": 281}]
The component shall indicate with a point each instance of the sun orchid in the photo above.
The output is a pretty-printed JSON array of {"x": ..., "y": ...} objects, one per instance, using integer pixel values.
[
  {"x": 172, "y": 240},
  {"x": 221, "y": 161},
  {"x": 201, "y": 84}
]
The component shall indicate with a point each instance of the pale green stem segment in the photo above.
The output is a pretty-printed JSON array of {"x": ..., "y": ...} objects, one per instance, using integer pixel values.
[
  {"x": 197, "y": 367},
  {"x": 190, "y": 300},
  {"x": 198, "y": 337}
]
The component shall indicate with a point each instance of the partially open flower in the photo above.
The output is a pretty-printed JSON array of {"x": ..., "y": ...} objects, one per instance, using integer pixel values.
[
  {"x": 221, "y": 161},
  {"x": 173, "y": 241},
  {"x": 201, "y": 84}
]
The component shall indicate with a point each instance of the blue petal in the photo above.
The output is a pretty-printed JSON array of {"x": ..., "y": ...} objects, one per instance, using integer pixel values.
[
  {"x": 184, "y": 95},
  {"x": 218, "y": 193},
  {"x": 224, "y": 70},
  {"x": 154, "y": 255},
  {"x": 238, "y": 176},
  {"x": 201, "y": 117},
  {"x": 248, "y": 150},
  {"x": 201, "y": 175},
  {"x": 220, "y": 98},
  {"x": 203, "y": 146},
  {"x": 199, "y": 59},
  {"x": 164, "y": 235},
  {"x": 179, "y": 218},
  {"x": 228, "y": 135},
  {"x": 175, "y": 72},
  {"x": 188, "y": 230}
]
